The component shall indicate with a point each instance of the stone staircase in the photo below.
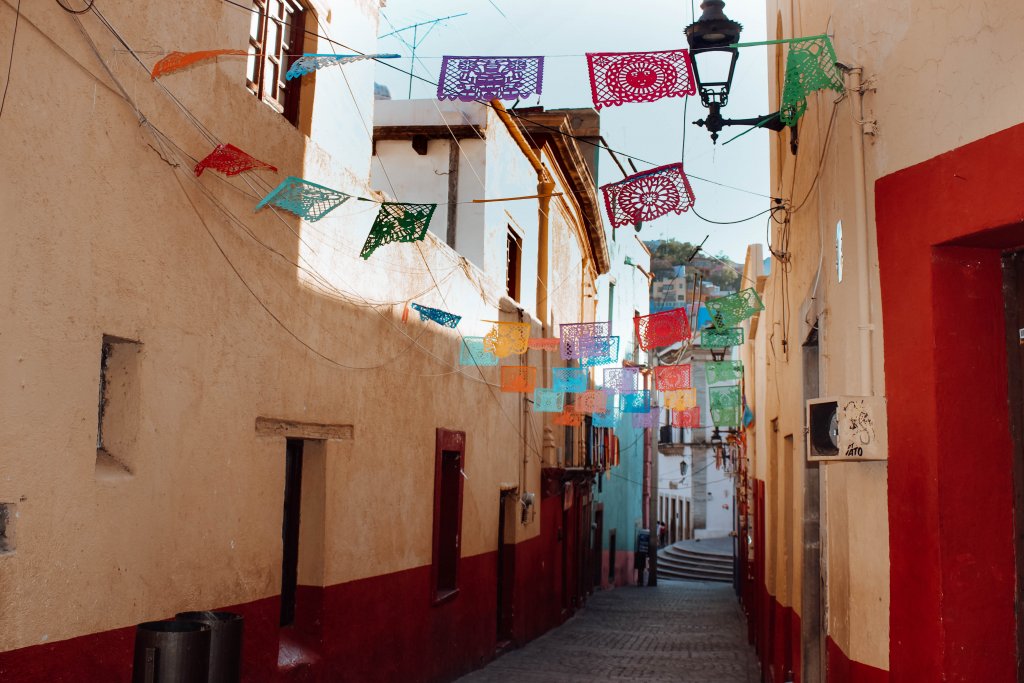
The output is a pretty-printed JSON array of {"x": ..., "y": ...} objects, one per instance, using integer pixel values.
[{"x": 689, "y": 561}]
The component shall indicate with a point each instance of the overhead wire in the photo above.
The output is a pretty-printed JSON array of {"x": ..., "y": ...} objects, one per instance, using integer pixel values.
[
  {"x": 741, "y": 220},
  {"x": 150, "y": 126},
  {"x": 159, "y": 136},
  {"x": 437, "y": 286},
  {"x": 160, "y": 139},
  {"x": 455, "y": 140},
  {"x": 512, "y": 112},
  {"x": 10, "y": 61},
  {"x": 76, "y": 11},
  {"x": 322, "y": 280}
]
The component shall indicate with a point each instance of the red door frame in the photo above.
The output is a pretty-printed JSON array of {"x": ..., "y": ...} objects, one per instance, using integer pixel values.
[{"x": 941, "y": 227}]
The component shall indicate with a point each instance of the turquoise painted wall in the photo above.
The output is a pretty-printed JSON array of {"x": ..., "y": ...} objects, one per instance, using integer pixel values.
[{"x": 620, "y": 490}]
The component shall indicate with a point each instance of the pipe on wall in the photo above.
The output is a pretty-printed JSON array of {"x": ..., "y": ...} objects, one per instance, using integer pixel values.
[
  {"x": 864, "y": 325},
  {"x": 545, "y": 186}
]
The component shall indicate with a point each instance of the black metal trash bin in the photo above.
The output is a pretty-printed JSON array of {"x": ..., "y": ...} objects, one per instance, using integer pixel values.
[
  {"x": 225, "y": 644},
  {"x": 171, "y": 652}
]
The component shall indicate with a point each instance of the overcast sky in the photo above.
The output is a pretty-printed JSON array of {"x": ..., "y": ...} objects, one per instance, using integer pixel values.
[{"x": 563, "y": 31}]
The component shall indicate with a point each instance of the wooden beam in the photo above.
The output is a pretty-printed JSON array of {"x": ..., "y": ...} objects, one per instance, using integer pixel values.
[
  {"x": 461, "y": 132},
  {"x": 513, "y": 199},
  {"x": 269, "y": 426},
  {"x": 453, "y": 192}
]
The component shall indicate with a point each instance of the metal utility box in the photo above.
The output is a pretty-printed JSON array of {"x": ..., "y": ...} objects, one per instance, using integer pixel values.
[{"x": 847, "y": 429}]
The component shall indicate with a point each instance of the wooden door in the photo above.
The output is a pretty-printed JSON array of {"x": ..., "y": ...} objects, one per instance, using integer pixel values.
[{"x": 1013, "y": 296}]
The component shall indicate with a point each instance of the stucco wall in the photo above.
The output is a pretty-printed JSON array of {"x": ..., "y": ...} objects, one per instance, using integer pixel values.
[
  {"x": 237, "y": 316},
  {"x": 854, "y": 534},
  {"x": 621, "y": 489},
  {"x": 935, "y": 82}
]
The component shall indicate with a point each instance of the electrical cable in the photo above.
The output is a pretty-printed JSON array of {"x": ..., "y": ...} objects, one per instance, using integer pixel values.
[
  {"x": 220, "y": 248},
  {"x": 10, "y": 61},
  {"x": 741, "y": 220},
  {"x": 163, "y": 154},
  {"x": 149, "y": 125},
  {"x": 512, "y": 112},
  {"x": 821, "y": 158},
  {"x": 437, "y": 286},
  {"x": 74, "y": 11}
]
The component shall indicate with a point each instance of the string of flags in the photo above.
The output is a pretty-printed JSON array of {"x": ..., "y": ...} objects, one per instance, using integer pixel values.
[
  {"x": 616, "y": 78},
  {"x": 176, "y": 61},
  {"x": 643, "y": 197},
  {"x": 308, "y": 63},
  {"x": 490, "y": 78},
  {"x": 620, "y": 77},
  {"x": 230, "y": 161},
  {"x": 731, "y": 310},
  {"x": 620, "y": 395},
  {"x": 442, "y": 318},
  {"x": 306, "y": 200},
  {"x": 397, "y": 222},
  {"x": 810, "y": 66}
]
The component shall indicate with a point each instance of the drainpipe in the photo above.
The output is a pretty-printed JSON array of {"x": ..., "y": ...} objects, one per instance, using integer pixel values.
[
  {"x": 864, "y": 325},
  {"x": 545, "y": 186}
]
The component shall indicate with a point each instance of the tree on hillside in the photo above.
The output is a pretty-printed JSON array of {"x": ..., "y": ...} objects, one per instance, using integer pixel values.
[{"x": 668, "y": 253}]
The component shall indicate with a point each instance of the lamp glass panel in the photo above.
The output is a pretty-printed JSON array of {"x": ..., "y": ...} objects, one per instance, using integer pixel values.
[{"x": 713, "y": 66}]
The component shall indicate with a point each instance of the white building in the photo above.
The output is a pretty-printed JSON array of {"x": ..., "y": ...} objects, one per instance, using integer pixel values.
[{"x": 695, "y": 483}]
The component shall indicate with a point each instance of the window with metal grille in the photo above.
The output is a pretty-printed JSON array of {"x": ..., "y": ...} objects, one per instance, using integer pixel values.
[{"x": 276, "y": 39}]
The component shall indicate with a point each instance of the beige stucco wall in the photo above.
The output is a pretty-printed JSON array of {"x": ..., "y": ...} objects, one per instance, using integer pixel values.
[
  {"x": 103, "y": 236},
  {"x": 936, "y": 81}
]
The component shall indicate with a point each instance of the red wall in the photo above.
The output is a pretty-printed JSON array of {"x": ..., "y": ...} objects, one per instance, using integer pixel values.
[
  {"x": 625, "y": 574},
  {"x": 383, "y": 628},
  {"x": 941, "y": 225},
  {"x": 841, "y": 669}
]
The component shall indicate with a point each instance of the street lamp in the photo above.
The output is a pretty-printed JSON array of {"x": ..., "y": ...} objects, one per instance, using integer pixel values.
[{"x": 714, "y": 65}]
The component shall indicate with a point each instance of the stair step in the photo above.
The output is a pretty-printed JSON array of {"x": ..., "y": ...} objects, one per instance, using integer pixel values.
[
  {"x": 705, "y": 570},
  {"x": 694, "y": 576},
  {"x": 697, "y": 566},
  {"x": 693, "y": 570},
  {"x": 678, "y": 559},
  {"x": 697, "y": 553}
]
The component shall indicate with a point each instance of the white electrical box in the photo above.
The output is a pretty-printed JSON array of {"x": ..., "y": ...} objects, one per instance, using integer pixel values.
[{"x": 847, "y": 429}]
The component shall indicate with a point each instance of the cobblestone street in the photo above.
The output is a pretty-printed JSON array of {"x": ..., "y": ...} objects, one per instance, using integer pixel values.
[{"x": 681, "y": 631}]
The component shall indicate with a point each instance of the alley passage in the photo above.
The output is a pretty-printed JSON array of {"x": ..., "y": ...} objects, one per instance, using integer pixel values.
[{"x": 681, "y": 631}]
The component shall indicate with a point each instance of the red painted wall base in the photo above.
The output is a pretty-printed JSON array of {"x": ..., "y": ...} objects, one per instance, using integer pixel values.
[
  {"x": 779, "y": 649},
  {"x": 625, "y": 575},
  {"x": 841, "y": 669},
  {"x": 774, "y": 629},
  {"x": 383, "y": 628}
]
